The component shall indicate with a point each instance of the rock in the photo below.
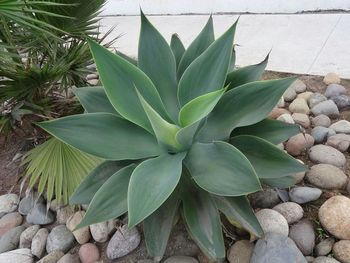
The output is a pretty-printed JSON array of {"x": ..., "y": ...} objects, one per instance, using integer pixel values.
[
  {"x": 303, "y": 235},
  {"x": 315, "y": 99},
  {"x": 55, "y": 205},
  {"x": 25, "y": 240},
  {"x": 240, "y": 252},
  {"x": 39, "y": 215},
  {"x": 123, "y": 242},
  {"x": 327, "y": 176},
  {"x": 331, "y": 78},
  {"x": 145, "y": 261},
  {"x": 341, "y": 251},
  {"x": 10, "y": 240},
  {"x": 276, "y": 112},
  {"x": 281, "y": 103},
  {"x": 334, "y": 90},
  {"x": 272, "y": 221},
  {"x": 8, "y": 203},
  {"x": 89, "y": 253},
  {"x": 341, "y": 126},
  {"x": 304, "y": 194},
  {"x": 325, "y": 260},
  {"x": 93, "y": 82},
  {"x": 63, "y": 214},
  {"x": 92, "y": 76},
  {"x": 299, "y": 143},
  {"x": 27, "y": 204},
  {"x": 342, "y": 101},
  {"x": 327, "y": 107},
  {"x": 287, "y": 118},
  {"x": 69, "y": 258},
  {"x": 309, "y": 259},
  {"x": 305, "y": 95},
  {"x": 52, "y": 257},
  {"x": 324, "y": 247},
  {"x": 276, "y": 248},
  {"x": 292, "y": 212},
  {"x": 100, "y": 232},
  {"x": 326, "y": 154},
  {"x": 301, "y": 119},
  {"x": 299, "y": 106},
  {"x": 181, "y": 259},
  {"x": 82, "y": 235},
  {"x": 60, "y": 238},
  {"x": 298, "y": 177},
  {"x": 348, "y": 187},
  {"x": 39, "y": 242},
  {"x": 334, "y": 216},
  {"x": 320, "y": 134},
  {"x": 10, "y": 221},
  {"x": 21, "y": 255},
  {"x": 298, "y": 85},
  {"x": 289, "y": 94},
  {"x": 339, "y": 141},
  {"x": 266, "y": 198},
  {"x": 321, "y": 120}
]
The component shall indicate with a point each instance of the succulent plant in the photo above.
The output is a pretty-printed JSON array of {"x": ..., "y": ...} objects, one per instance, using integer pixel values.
[{"x": 183, "y": 132}]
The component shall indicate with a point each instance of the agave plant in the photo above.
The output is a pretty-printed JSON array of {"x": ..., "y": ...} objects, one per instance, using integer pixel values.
[{"x": 182, "y": 132}]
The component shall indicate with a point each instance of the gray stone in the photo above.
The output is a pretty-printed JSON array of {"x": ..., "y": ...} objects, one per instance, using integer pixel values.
[
  {"x": 305, "y": 95},
  {"x": 297, "y": 144},
  {"x": 321, "y": 120},
  {"x": 327, "y": 107},
  {"x": 292, "y": 212},
  {"x": 304, "y": 194},
  {"x": 272, "y": 221},
  {"x": 298, "y": 85},
  {"x": 348, "y": 187},
  {"x": 327, "y": 176},
  {"x": 303, "y": 235},
  {"x": 326, "y": 154},
  {"x": 60, "y": 238},
  {"x": 63, "y": 214},
  {"x": 181, "y": 259},
  {"x": 69, "y": 258},
  {"x": 82, "y": 235},
  {"x": 10, "y": 221},
  {"x": 52, "y": 257},
  {"x": 39, "y": 242},
  {"x": 341, "y": 251},
  {"x": 315, "y": 99},
  {"x": 301, "y": 119},
  {"x": 123, "y": 242},
  {"x": 99, "y": 232},
  {"x": 10, "y": 240},
  {"x": 27, "y": 204},
  {"x": 309, "y": 259},
  {"x": 342, "y": 101},
  {"x": 39, "y": 215},
  {"x": 325, "y": 260},
  {"x": 331, "y": 78},
  {"x": 320, "y": 134},
  {"x": 276, "y": 248},
  {"x": 27, "y": 236},
  {"x": 334, "y": 90},
  {"x": 340, "y": 141},
  {"x": 341, "y": 126},
  {"x": 266, "y": 198},
  {"x": 21, "y": 255},
  {"x": 324, "y": 247},
  {"x": 289, "y": 94},
  {"x": 299, "y": 106},
  {"x": 8, "y": 203},
  {"x": 287, "y": 118},
  {"x": 240, "y": 252}
]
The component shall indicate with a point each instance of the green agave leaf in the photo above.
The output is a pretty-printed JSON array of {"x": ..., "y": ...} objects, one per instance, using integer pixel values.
[
  {"x": 197, "y": 47},
  {"x": 199, "y": 107},
  {"x": 152, "y": 182},
  {"x": 110, "y": 201},
  {"x": 208, "y": 72},
  {"x": 156, "y": 59},
  {"x": 90, "y": 185},
  {"x": 268, "y": 161},
  {"x": 242, "y": 106},
  {"x": 247, "y": 74},
  {"x": 233, "y": 60},
  {"x": 202, "y": 220},
  {"x": 94, "y": 99},
  {"x": 119, "y": 78},
  {"x": 104, "y": 135},
  {"x": 177, "y": 47},
  {"x": 157, "y": 227},
  {"x": 164, "y": 131},
  {"x": 185, "y": 136},
  {"x": 221, "y": 169},
  {"x": 283, "y": 182},
  {"x": 273, "y": 131},
  {"x": 126, "y": 57},
  {"x": 238, "y": 209}
]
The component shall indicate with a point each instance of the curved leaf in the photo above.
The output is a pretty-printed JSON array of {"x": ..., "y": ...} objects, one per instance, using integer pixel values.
[
  {"x": 208, "y": 72},
  {"x": 268, "y": 161},
  {"x": 273, "y": 131},
  {"x": 242, "y": 106},
  {"x": 126, "y": 57},
  {"x": 177, "y": 47},
  {"x": 283, "y": 182},
  {"x": 199, "y": 107},
  {"x": 246, "y": 74},
  {"x": 185, "y": 136},
  {"x": 238, "y": 209},
  {"x": 94, "y": 99},
  {"x": 197, "y": 47},
  {"x": 119, "y": 78},
  {"x": 152, "y": 182},
  {"x": 104, "y": 135},
  {"x": 156, "y": 59},
  {"x": 110, "y": 201},
  {"x": 221, "y": 169}
]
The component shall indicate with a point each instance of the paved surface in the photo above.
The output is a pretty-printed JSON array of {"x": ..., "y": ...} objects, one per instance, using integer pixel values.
[{"x": 300, "y": 43}]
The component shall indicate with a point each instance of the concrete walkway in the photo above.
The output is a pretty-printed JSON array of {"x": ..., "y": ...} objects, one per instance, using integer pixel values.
[{"x": 300, "y": 43}]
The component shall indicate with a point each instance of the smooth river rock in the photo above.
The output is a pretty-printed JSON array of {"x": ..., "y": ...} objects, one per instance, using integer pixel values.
[
  {"x": 324, "y": 247},
  {"x": 10, "y": 240},
  {"x": 272, "y": 221},
  {"x": 327, "y": 176},
  {"x": 240, "y": 252},
  {"x": 340, "y": 141},
  {"x": 8, "y": 203},
  {"x": 39, "y": 215},
  {"x": 60, "y": 238},
  {"x": 21, "y": 255},
  {"x": 341, "y": 126},
  {"x": 341, "y": 251},
  {"x": 39, "y": 242},
  {"x": 326, "y": 154},
  {"x": 291, "y": 211},
  {"x": 327, "y": 107},
  {"x": 304, "y": 194},
  {"x": 303, "y": 234}
]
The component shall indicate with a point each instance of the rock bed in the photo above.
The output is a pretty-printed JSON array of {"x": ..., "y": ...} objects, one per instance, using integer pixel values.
[{"x": 308, "y": 223}]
